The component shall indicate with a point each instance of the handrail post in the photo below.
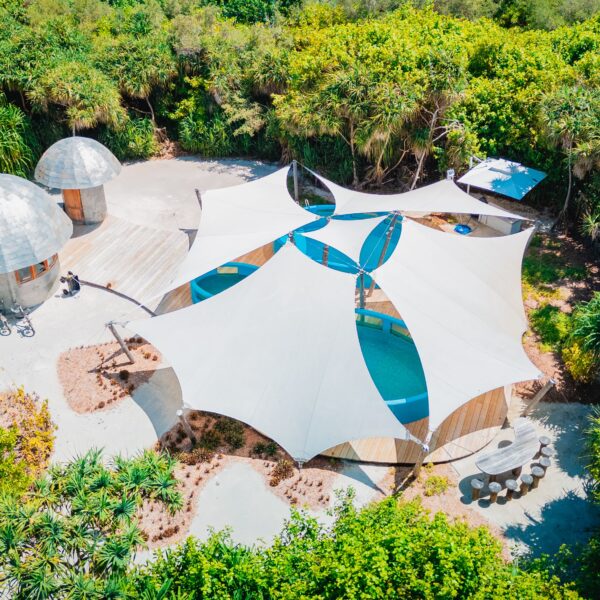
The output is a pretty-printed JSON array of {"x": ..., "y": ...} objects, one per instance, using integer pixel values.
[
  {"x": 386, "y": 245},
  {"x": 295, "y": 172}
]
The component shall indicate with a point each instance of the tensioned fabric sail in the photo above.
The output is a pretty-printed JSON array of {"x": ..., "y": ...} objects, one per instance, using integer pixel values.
[
  {"x": 504, "y": 177},
  {"x": 347, "y": 236},
  {"x": 461, "y": 301},
  {"x": 239, "y": 219},
  {"x": 442, "y": 196},
  {"x": 279, "y": 351}
]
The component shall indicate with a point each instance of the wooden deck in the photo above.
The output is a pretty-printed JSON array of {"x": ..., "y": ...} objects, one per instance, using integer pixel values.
[
  {"x": 133, "y": 259},
  {"x": 466, "y": 430}
]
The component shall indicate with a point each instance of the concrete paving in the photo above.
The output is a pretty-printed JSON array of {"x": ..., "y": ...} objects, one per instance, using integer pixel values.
[
  {"x": 160, "y": 194},
  {"x": 555, "y": 513}
]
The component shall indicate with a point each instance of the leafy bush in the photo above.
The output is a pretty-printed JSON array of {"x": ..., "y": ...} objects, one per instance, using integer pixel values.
[
  {"x": 210, "y": 440},
  {"x": 135, "y": 139},
  {"x": 18, "y": 146},
  {"x": 27, "y": 444},
  {"x": 551, "y": 324},
  {"x": 232, "y": 432},
  {"x": 386, "y": 550},
  {"x": 435, "y": 485},
  {"x": 581, "y": 363},
  {"x": 586, "y": 325}
]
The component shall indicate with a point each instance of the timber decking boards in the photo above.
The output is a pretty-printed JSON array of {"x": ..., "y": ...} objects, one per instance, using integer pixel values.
[
  {"x": 135, "y": 260},
  {"x": 465, "y": 431}
]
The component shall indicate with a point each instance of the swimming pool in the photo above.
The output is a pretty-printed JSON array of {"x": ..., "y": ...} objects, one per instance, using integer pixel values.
[{"x": 389, "y": 353}]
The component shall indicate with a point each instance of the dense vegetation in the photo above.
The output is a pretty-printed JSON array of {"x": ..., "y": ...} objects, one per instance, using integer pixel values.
[
  {"x": 74, "y": 534},
  {"x": 370, "y": 91},
  {"x": 26, "y": 440}
]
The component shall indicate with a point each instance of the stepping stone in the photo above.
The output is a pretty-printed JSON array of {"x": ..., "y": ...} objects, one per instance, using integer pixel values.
[
  {"x": 544, "y": 462},
  {"x": 526, "y": 482},
  {"x": 537, "y": 473},
  {"x": 495, "y": 489},
  {"x": 476, "y": 487},
  {"x": 548, "y": 452},
  {"x": 511, "y": 487}
]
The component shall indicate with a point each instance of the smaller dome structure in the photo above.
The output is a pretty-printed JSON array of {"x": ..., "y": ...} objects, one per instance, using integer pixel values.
[
  {"x": 32, "y": 231},
  {"x": 79, "y": 166}
]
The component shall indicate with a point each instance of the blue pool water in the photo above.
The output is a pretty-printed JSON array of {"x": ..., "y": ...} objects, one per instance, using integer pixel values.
[{"x": 389, "y": 353}]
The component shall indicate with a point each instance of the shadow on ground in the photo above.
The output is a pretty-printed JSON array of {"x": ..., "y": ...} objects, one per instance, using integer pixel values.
[{"x": 567, "y": 520}]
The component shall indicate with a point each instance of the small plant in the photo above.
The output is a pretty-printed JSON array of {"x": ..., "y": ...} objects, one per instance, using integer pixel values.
[
  {"x": 271, "y": 449},
  {"x": 124, "y": 375},
  {"x": 232, "y": 432},
  {"x": 284, "y": 469},
  {"x": 436, "y": 485},
  {"x": 259, "y": 448},
  {"x": 196, "y": 456},
  {"x": 210, "y": 440}
]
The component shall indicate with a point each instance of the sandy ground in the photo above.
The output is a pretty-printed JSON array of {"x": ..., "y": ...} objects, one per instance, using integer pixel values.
[{"x": 235, "y": 492}]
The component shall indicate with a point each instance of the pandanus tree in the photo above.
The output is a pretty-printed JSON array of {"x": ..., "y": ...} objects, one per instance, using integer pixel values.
[
  {"x": 75, "y": 534},
  {"x": 571, "y": 117}
]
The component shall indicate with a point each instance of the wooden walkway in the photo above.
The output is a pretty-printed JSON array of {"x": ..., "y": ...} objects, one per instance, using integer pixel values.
[{"x": 133, "y": 259}]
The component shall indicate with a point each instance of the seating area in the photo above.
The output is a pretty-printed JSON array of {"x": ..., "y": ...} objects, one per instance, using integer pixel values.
[{"x": 502, "y": 468}]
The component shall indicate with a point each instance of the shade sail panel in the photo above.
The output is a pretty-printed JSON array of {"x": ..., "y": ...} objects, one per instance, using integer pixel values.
[
  {"x": 461, "y": 301},
  {"x": 76, "y": 163},
  {"x": 239, "y": 219},
  {"x": 347, "y": 236},
  {"x": 442, "y": 196},
  {"x": 280, "y": 352},
  {"x": 503, "y": 177},
  {"x": 32, "y": 226}
]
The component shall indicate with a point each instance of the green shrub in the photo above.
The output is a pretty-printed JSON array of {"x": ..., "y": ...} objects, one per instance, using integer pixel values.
[
  {"x": 386, "y": 550},
  {"x": 586, "y": 325},
  {"x": 232, "y": 432},
  {"x": 210, "y": 440},
  {"x": 135, "y": 139},
  {"x": 551, "y": 324},
  {"x": 14, "y": 478},
  {"x": 435, "y": 485},
  {"x": 581, "y": 363},
  {"x": 18, "y": 146}
]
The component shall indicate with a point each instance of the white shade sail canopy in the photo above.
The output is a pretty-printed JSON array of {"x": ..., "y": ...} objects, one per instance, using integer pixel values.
[
  {"x": 280, "y": 352},
  {"x": 76, "y": 163},
  {"x": 347, "y": 236},
  {"x": 461, "y": 301},
  {"x": 442, "y": 196},
  {"x": 32, "y": 225},
  {"x": 239, "y": 219},
  {"x": 504, "y": 177}
]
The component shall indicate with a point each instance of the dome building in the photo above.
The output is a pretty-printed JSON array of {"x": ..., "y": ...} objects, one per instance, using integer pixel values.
[
  {"x": 32, "y": 231},
  {"x": 80, "y": 167}
]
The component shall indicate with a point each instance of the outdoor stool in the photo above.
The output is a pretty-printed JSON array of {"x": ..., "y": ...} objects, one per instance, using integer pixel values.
[
  {"x": 476, "y": 487},
  {"x": 511, "y": 487},
  {"x": 548, "y": 452},
  {"x": 544, "y": 462},
  {"x": 537, "y": 473},
  {"x": 526, "y": 481},
  {"x": 495, "y": 489},
  {"x": 544, "y": 441}
]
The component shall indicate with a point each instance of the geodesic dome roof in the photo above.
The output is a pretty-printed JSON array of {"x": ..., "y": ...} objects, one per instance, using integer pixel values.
[
  {"x": 76, "y": 163},
  {"x": 32, "y": 225}
]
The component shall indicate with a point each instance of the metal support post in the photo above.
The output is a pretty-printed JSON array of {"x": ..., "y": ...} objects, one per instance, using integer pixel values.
[
  {"x": 538, "y": 397},
  {"x": 295, "y": 171},
  {"x": 186, "y": 426},
  {"x": 119, "y": 339}
]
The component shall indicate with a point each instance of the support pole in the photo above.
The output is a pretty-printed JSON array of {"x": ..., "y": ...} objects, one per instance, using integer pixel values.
[
  {"x": 119, "y": 339},
  {"x": 186, "y": 426},
  {"x": 430, "y": 447},
  {"x": 295, "y": 171},
  {"x": 325, "y": 254},
  {"x": 199, "y": 196},
  {"x": 361, "y": 302},
  {"x": 538, "y": 397},
  {"x": 386, "y": 245}
]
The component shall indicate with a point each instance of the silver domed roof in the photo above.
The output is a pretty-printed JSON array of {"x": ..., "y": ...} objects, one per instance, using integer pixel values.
[
  {"x": 76, "y": 163},
  {"x": 32, "y": 226}
]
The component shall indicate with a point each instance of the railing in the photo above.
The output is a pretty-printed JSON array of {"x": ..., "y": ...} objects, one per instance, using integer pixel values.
[{"x": 385, "y": 323}]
